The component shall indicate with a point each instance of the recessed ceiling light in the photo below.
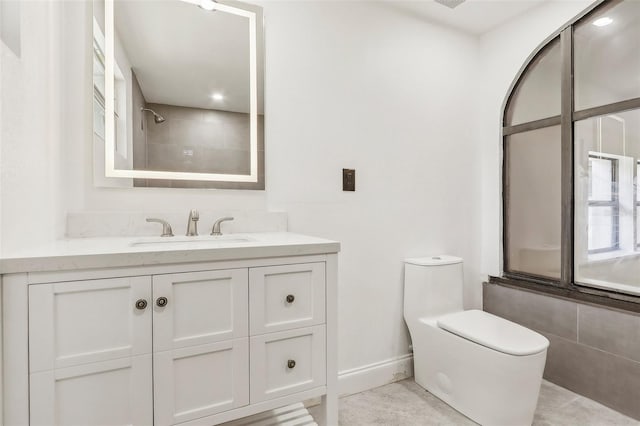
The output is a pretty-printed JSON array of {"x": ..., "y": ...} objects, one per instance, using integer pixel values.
[
  {"x": 207, "y": 4},
  {"x": 602, "y": 22},
  {"x": 217, "y": 96}
]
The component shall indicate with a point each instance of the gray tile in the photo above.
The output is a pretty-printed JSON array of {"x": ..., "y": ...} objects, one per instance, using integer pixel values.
[
  {"x": 560, "y": 406},
  {"x": 553, "y": 397},
  {"x": 197, "y": 133},
  {"x": 162, "y": 109},
  {"x": 167, "y": 157},
  {"x": 609, "y": 379},
  {"x": 543, "y": 313},
  {"x": 237, "y": 131},
  {"x": 406, "y": 403},
  {"x": 157, "y": 133},
  {"x": 401, "y": 403},
  {"x": 227, "y": 161},
  {"x": 140, "y": 183},
  {"x": 159, "y": 183},
  {"x": 609, "y": 330}
]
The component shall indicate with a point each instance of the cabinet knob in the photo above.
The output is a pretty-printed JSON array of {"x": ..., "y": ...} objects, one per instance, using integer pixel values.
[
  {"x": 291, "y": 363},
  {"x": 290, "y": 298},
  {"x": 161, "y": 302},
  {"x": 141, "y": 304}
]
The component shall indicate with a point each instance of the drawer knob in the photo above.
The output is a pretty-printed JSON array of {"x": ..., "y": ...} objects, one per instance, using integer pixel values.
[
  {"x": 141, "y": 304},
  {"x": 291, "y": 363},
  {"x": 290, "y": 298},
  {"x": 162, "y": 302}
]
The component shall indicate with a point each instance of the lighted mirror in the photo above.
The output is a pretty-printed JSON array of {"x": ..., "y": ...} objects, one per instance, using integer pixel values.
[{"x": 178, "y": 94}]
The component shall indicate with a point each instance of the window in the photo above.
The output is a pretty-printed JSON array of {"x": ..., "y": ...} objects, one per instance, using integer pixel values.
[
  {"x": 603, "y": 206},
  {"x": 571, "y": 141}
]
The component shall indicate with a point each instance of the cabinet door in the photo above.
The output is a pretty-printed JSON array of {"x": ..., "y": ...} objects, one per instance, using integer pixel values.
[
  {"x": 201, "y": 308},
  {"x": 287, "y": 362},
  {"x": 286, "y": 296},
  {"x": 117, "y": 392},
  {"x": 74, "y": 323},
  {"x": 199, "y": 381}
]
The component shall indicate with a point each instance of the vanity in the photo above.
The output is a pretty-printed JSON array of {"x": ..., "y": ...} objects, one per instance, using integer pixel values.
[
  {"x": 157, "y": 331},
  {"x": 189, "y": 330}
]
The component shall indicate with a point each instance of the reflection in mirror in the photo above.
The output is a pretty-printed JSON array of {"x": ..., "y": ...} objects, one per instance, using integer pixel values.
[
  {"x": 607, "y": 163},
  {"x": 178, "y": 94}
]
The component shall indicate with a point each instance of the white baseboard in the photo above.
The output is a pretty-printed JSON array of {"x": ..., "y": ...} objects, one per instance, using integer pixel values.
[{"x": 374, "y": 375}]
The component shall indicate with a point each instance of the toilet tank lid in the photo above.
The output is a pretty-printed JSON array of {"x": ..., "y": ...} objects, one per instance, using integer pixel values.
[
  {"x": 494, "y": 332},
  {"x": 442, "y": 259}
]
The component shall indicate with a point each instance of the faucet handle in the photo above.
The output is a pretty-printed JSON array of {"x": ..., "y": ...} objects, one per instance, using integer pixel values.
[
  {"x": 166, "y": 227},
  {"x": 194, "y": 215},
  {"x": 216, "y": 225}
]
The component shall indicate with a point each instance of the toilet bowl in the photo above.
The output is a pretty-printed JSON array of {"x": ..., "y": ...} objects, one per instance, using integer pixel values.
[{"x": 484, "y": 366}]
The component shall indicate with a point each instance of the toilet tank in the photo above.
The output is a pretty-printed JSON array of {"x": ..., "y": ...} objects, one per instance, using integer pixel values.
[{"x": 432, "y": 286}]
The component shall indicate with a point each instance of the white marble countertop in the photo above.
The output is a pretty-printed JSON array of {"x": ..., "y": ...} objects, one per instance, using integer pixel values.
[{"x": 88, "y": 253}]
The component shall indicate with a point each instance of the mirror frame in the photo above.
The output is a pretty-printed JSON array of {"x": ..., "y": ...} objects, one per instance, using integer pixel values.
[{"x": 109, "y": 140}]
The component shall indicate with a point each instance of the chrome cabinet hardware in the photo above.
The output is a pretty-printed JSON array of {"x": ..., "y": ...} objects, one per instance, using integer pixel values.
[
  {"x": 141, "y": 304},
  {"x": 161, "y": 302}
]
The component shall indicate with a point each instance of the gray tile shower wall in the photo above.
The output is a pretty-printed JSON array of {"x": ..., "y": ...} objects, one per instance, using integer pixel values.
[
  {"x": 594, "y": 351},
  {"x": 193, "y": 139}
]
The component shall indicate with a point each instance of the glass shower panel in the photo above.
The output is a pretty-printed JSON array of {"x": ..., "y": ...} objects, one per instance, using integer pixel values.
[
  {"x": 607, "y": 55},
  {"x": 606, "y": 251},
  {"x": 533, "y": 212},
  {"x": 537, "y": 94},
  {"x": 601, "y": 228},
  {"x": 638, "y": 206}
]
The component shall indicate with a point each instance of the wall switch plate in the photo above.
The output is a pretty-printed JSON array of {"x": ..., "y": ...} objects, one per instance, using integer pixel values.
[{"x": 348, "y": 179}]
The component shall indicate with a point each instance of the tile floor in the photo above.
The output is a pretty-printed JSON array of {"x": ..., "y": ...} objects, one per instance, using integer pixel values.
[{"x": 407, "y": 404}]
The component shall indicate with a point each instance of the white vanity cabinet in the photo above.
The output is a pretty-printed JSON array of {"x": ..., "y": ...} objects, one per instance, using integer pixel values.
[
  {"x": 192, "y": 344},
  {"x": 90, "y": 352},
  {"x": 200, "y": 344}
]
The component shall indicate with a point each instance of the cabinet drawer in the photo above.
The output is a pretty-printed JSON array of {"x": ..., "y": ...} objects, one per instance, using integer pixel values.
[
  {"x": 286, "y": 362},
  {"x": 286, "y": 296},
  {"x": 80, "y": 322}
]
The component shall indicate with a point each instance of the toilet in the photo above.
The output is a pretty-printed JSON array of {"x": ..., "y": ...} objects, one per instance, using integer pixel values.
[{"x": 484, "y": 366}]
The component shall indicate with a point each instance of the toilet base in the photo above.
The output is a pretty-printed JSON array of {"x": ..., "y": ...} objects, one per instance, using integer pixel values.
[{"x": 490, "y": 387}]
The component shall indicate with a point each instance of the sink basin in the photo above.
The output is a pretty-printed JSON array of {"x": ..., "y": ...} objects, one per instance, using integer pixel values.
[{"x": 199, "y": 241}]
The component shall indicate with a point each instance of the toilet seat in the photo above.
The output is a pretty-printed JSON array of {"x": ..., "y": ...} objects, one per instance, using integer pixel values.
[{"x": 493, "y": 332}]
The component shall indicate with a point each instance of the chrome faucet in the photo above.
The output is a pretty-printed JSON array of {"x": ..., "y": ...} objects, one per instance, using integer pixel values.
[
  {"x": 192, "y": 225},
  {"x": 166, "y": 228},
  {"x": 216, "y": 225}
]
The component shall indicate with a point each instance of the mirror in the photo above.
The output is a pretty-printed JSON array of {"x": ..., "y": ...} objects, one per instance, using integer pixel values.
[{"x": 178, "y": 94}]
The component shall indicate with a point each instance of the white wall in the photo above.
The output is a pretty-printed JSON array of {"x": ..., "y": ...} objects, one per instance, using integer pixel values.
[
  {"x": 357, "y": 85},
  {"x": 32, "y": 207},
  {"x": 503, "y": 51}
]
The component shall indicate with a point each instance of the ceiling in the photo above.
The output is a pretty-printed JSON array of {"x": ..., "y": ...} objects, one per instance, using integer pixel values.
[
  {"x": 183, "y": 55},
  {"x": 473, "y": 16}
]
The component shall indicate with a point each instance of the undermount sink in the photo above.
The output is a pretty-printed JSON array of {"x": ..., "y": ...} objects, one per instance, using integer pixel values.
[{"x": 203, "y": 240}]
